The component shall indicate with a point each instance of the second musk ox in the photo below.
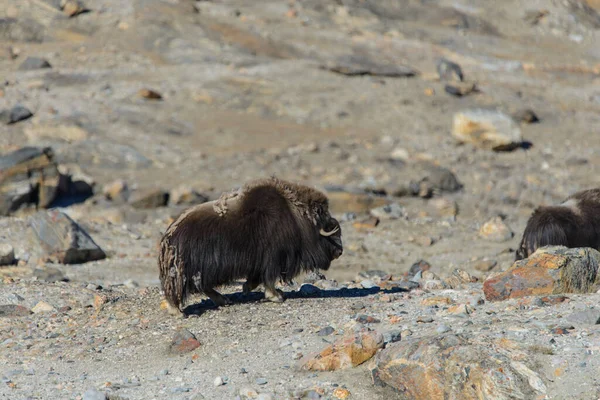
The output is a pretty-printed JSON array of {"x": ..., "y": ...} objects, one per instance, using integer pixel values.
[
  {"x": 268, "y": 231},
  {"x": 573, "y": 223}
]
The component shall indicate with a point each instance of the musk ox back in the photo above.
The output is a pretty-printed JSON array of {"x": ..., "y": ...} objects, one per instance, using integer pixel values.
[
  {"x": 268, "y": 231},
  {"x": 573, "y": 223}
]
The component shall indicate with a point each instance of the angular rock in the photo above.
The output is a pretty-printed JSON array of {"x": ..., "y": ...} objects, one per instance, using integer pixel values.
[
  {"x": 150, "y": 94},
  {"x": 151, "y": 198},
  {"x": 357, "y": 65},
  {"x": 48, "y": 274},
  {"x": 460, "y": 89},
  {"x": 584, "y": 318},
  {"x": 366, "y": 224},
  {"x": 13, "y": 310},
  {"x": 16, "y": 114},
  {"x": 71, "y": 8},
  {"x": 550, "y": 270},
  {"x": 63, "y": 240},
  {"x": 459, "y": 278},
  {"x": 435, "y": 179},
  {"x": 496, "y": 230},
  {"x": 526, "y": 116},
  {"x": 184, "y": 341},
  {"x": 349, "y": 351},
  {"x": 341, "y": 393},
  {"x": 32, "y": 63},
  {"x": 7, "y": 254},
  {"x": 117, "y": 190},
  {"x": 42, "y": 307},
  {"x": 449, "y": 71},
  {"x": 448, "y": 366},
  {"x": 487, "y": 129},
  {"x": 27, "y": 176}
]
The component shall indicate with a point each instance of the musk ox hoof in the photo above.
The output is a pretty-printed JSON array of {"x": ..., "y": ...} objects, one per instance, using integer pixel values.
[
  {"x": 248, "y": 287},
  {"x": 218, "y": 298},
  {"x": 275, "y": 296},
  {"x": 174, "y": 311}
]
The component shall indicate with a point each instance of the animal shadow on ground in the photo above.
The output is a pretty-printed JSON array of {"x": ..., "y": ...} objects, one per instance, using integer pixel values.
[{"x": 305, "y": 292}]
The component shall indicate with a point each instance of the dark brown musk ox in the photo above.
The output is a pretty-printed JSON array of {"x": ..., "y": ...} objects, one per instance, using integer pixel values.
[
  {"x": 269, "y": 230},
  {"x": 573, "y": 223}
]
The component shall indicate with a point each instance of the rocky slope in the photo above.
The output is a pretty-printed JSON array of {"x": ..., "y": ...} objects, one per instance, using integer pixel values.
[{"x": 434, "y": 127}]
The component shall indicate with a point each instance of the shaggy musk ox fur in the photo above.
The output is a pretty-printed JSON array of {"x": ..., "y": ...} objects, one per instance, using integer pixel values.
[
  {"x": 268, "y": 231},
  {"x": 574, "y": 223}
]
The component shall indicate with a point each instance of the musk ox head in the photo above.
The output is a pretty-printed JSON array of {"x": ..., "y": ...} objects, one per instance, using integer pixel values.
[
  {"x": 573, "y": 223},
  {"x": 270, "y": 230}
]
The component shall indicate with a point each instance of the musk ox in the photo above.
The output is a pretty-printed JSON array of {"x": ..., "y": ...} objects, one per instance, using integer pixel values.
[
  {"x": 269, "y": 230},
  {"x": 573, "y": 223}
]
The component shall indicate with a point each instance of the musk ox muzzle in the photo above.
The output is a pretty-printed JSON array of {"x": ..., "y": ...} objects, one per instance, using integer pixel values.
[
  {"x": 573, "y": 223},
  {"x": 270, "y": 230}
]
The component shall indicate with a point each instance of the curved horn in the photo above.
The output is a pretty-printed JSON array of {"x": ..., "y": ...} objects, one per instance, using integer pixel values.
[{"x": 323, "y": 233}]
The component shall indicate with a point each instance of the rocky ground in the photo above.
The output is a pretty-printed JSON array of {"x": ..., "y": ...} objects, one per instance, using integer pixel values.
[{"x": 149, "y": 106}]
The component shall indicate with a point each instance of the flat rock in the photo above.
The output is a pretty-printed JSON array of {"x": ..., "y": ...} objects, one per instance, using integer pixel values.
[
  {"x": 348, "y": 352},
  {"x": 550, "y": 270},
  {"x": 13, "y": 310},
  {"x": 93, "y": 394},
  {"x": 496, "y": 230},
  {"x": 389, "y": 211},
  {"x": 357, "y": 202},
  {"x": 183, "y": 342},
  {"x": 584, "y": 318},
  {"x": 449, "y": 366},
  {"x": 63, "y": 240},
  {"x": 151, "y": 198},
  {"x": 48, "y": 274},
  {"x": 16, "y": 114},
  {"x": 27, "y": 176},
  {"x": 32, "y": 63},
  {"x": 7, "y": 254},
  {"x": 42, "y": 307},
  {"x": 487, "y": 129},
  {"x": 357, "y": 65}
]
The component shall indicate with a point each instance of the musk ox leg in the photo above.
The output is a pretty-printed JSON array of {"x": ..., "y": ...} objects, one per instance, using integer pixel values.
[
  {"x": 272, "y": 294},
  {"x": 249, "y": 286},
  {"x": 217, "y": 298}
]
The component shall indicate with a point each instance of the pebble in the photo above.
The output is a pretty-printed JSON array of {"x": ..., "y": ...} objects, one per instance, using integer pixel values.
[
  {"x": 93, "y": 394},
  {"x": 32, "y": 63},
  {"x": 248, "y": 393},
  {"x": 7, "y": 254},
  {"x": 181, "y": 390},
  {"x": 392, "y": 336},
  {"x": 328, "y": 330},
  {"x": 368, "y": 284},
  {"x": 389, "y": 211},
  {"x": 449, "y": 71},
  {"x": 496, "y": 230},
  {"x": 183, "y": 341},
  {"x": 261, "y": 381},
  {"x": 424, "y": 319},
  {"x": 442, "y": 328},
  {"x": 16, "y": 114},
  {"x": 367, "y": 319},
  {"x": 48, "y": 274},
  {"x": 219, "y": 381},
  {"x": 42, "y": 307}
]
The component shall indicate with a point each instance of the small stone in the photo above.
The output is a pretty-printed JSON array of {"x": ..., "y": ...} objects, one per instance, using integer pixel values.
[
  {"x": 424, "y": 319},
  {"x": 93, "y": 394},
  {"x": 496, "y": 230},
  {"x": 328, "y": 330},
  {"x": 341, "y": 393},
  {"x": 7, "y": 254},
  {"x": 71, "y": 8},
  {"x": 400, "y": 154},
  {"x": 442, "y": 329},
  {"x": 186, "y": 195},
  {"x": 15, "y": 114},
  {"x": 131, "y": 284},
  {"x": 183, "y": 342},
  {"x": 13, "y": 310},
  {"x": 424, "y": 241},
  {"x": 485, "y": 265},
  {"x": 526, "y": 116},
  {"x": 149, "y": 94},
  {"x": 436, "y": 301},
  {"x": 367, "y": 319},
  {"x": 460, "y": 309},
  {"x": 366, "y": 224},
  {"x": 559, "y": 330},
  {"x": 444, "y": 207},
  {"x": 368, "y": 284},
  {"x": 151, "y": 198},
  {"x": 417, "y": 267},
  {"x": 487, "y": 129},
  {"x": 32, "y": 63},
  {"x": 248, "y": 393},
  {"x": 264, "y": 396},
  {"x": 449, "y": 71},
  {"x": 117, "y": 190},
  {"x": 261, "y": 381},
  {"x": 219, "y": 381},
  {"x": 460, "y": 89},
  {"x": 48, "y": 274},
  {"x": 42, "y": 307},
  {"x": 389, "y": 211}
]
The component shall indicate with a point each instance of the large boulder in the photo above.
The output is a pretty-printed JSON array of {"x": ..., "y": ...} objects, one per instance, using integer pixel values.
[
  {"x": 28, "y": 176},
  {"x": 453, "y": 367},
  {"x": 550, "y": 270},
  {"x": 63, "y": 240}
]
